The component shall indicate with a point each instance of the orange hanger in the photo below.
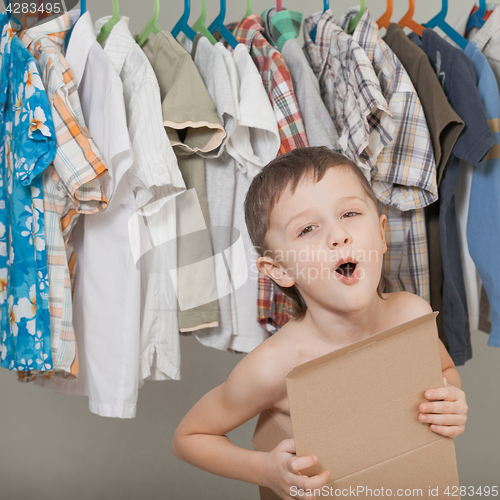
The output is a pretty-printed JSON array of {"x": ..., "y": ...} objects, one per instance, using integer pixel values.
[
  {"x": 408, "y": 22},
  {"x": 385, "y": 19}
]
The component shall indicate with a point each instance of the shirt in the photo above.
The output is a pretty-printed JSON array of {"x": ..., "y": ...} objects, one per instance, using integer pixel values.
[
  {"x": 253, "y": 144},
  {"x": 100, "y": 240},
  {"x": 444, "y": 124},
  {"x": 483, "y": 222},
  {"x": 220, "y": 177},
  {"x": 458, "y": 78},
  {"x": 282, "y": 29},
  {"x": 74, "y": 186},
  {"x": 27, "y": 147},
  {"x": 273, "y": 305},
  {"x": 405, "y": 175},
  {"x": 195, "y": 131},
  {"x": 351, "y": 91}
]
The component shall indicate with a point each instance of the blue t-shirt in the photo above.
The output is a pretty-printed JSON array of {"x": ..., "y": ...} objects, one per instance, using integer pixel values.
[
  {"x": 483, "y": 221},
  {"x": 458, "y": 79},
  {"x": 27, "y": 147}
]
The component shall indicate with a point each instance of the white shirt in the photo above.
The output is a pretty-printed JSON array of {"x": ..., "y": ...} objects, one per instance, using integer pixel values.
[
  {"x": 106, "y": 319},
  {"x": 156, "y": 180},
  {"x": 256, "y": 141}
]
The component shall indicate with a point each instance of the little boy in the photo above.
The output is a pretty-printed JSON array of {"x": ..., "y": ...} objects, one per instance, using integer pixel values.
[{"x": 314, "y": 219}]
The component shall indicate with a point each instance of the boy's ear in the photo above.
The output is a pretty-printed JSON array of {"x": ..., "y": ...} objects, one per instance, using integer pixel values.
[
  {"x": 273, "y": 270},
  {"x": 383, "y": 222}
]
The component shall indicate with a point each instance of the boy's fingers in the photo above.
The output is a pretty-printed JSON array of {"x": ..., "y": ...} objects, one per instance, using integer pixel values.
[
  {"x": 449, "y": 407},
  {"x": 446, "y": 419},
  {"x": 298, "y": 463},
  {"x": 447, "y": 430},
  {"x": 317, "y": 481},
  {"x": 449, "y": 393}
]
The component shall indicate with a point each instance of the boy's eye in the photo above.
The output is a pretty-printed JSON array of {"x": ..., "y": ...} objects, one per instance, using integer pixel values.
[
  {"x": 307, "y": 229},
  {"x": 349, "y": 214}
]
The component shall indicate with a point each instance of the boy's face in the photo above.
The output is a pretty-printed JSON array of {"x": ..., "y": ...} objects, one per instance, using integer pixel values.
[{"x": 328, "y": 239}]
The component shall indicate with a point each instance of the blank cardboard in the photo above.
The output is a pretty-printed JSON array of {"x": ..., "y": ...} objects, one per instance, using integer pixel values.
[{"x": 356, "y": 409}]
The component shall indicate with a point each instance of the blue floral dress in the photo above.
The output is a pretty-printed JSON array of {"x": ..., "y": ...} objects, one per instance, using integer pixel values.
[{"x": 27, "y": 147}]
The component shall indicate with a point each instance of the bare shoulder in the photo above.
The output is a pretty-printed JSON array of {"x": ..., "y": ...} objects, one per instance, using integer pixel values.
[
  {"x": 261, "y": 373},
  {"x": 407, "y": 306}
]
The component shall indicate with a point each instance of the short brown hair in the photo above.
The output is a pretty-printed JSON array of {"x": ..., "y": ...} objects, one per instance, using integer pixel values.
[{"x": 271, "y": 182}]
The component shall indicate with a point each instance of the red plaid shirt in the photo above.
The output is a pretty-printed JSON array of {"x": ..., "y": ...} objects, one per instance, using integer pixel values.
[{"x": 273, "y": 306}]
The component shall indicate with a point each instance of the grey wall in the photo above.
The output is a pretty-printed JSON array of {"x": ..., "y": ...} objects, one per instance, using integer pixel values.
[{"x": 52, "y": 448}]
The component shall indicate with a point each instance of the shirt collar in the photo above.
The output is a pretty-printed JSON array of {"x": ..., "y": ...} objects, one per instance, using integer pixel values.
[
  {"x": 366, "y": 31},
  {"x": 119, "y": 41},
  {"x": 56, "y": 30},
  {"x": 282, "y": 26},
  {"x": 81, "y": 40},
  {"x": 248, "y": 29},
  {"x": 317, "y": 52}
]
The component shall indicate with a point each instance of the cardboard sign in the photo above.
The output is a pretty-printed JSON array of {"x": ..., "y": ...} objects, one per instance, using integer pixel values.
[{"x": 356, "y": 409}]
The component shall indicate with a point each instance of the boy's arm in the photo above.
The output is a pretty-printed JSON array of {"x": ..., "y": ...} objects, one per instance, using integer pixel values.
[{"x": 254, "y": 385}]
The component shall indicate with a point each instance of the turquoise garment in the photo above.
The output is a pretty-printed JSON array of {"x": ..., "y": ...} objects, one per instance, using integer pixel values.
[{"x": 27, "y": 146}]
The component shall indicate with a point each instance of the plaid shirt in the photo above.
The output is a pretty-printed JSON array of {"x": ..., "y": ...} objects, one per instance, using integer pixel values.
[
  {"x": 406, "y": 175},
  {"x": 273, "y": 306},
  {"x": 70, "y": 185},
  {"x": 351, "y": 91}
]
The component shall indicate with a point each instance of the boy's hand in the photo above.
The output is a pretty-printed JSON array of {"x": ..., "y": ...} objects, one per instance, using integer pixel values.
[
  {"x": 283, "y": 475},
  {"x": 448, "y": 414}
]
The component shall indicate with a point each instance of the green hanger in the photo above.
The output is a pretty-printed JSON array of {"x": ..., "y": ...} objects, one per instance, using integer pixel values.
[
  {"x": 151, "y": 27},
  {"x": 199, "y": 25},
  {"x": 106, "y": 29},
  {"x": 249, "y": 8},
  {"x": 355, "y": 20}
]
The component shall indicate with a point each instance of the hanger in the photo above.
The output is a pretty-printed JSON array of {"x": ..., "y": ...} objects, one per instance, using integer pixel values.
[
  {"x": 439, "y": 21},
  {"x": 182, "y": 23},
  {"x": 249, "y": 8},
  {"x": 385, "y": 19},
  {"x": 83, "y": 9},
  {"x": 218, "y": 25},
  {"x": 355, "y": 20},
  {"x": 279, "y": 5},
  {"x": 326, "y": 6},
  {"x": 199, "y": 25},
  {"x": 106, "y": 29},
  {"x": 477, "y": 19},
  {"x": 408, "y": 22},
  {"x": 151, "y": 27}
]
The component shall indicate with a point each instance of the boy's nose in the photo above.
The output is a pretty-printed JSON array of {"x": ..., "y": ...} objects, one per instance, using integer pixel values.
[{"x": 339, "y": 238}]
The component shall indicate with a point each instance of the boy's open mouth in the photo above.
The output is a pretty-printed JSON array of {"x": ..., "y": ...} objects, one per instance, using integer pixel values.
[{"x": 346, "y": 269}]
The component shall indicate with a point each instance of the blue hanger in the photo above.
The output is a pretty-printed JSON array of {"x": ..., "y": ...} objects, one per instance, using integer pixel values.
[
  {"x": 83, "y": 9},
  {"x": 439, "y": 21},
  {"x": 218, "y": 25},
  {"x": 182, "y": 23},
  {"x": 326, "y": 6},
  {"x": 477, "y": 19}
]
